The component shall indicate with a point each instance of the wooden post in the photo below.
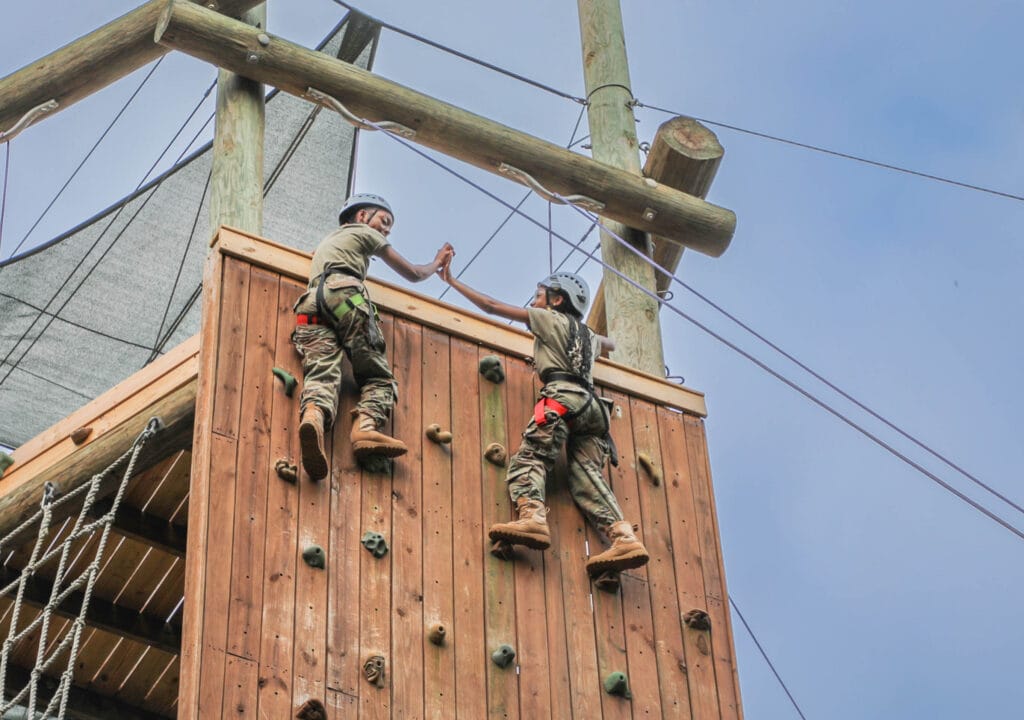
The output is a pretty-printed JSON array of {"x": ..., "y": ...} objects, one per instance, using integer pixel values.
[
  {"x": 632, "y": 314},
  {"x": 236, "y": 195},
  {"x": 481, "y": 142},
  {"x": 685, "y": 155},
  {"x": 92, "y": 62}
]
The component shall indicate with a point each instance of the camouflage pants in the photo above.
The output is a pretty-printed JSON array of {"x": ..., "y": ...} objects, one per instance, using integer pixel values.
[
  {"x": 322, "y": 349},
  {"x": 587, "y": 452}
]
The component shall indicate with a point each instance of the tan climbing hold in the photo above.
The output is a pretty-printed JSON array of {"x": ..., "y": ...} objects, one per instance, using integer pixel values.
[
  {"x": 496, "y": 454},
  {"x": 286, "y": 470},
  {"x": 436, "y": 434},
  {"x": 650, "y": 468}
]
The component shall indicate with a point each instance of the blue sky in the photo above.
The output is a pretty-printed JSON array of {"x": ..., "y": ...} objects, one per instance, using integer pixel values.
[{"x": 876, "y": 593}]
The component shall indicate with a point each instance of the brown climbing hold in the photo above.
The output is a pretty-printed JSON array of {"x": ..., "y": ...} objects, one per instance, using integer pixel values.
[
  {"x": 437, "y": 634},
  {"x": 80, "y": 435},
  {"x": 373, "y": 669},
  {"x": 503, "y": 550},
  {"x": 496, "y": 453},
  {"x": 312, "y": 710},
  {"x": 609, "y": 581},
  {"x": 437, "y": 435},
  {"x": 697, "y": 620},
  {"x": 650, "y": 468},
  {"x": 286, "y": 470}
]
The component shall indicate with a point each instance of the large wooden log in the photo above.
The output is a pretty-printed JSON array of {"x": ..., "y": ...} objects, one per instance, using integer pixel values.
[
  {"x": 92, "y": 62},
  {"x": 631, "y": 313},
  {"x": 628, "y": 198},
  {"x": 685, "y": 155}
]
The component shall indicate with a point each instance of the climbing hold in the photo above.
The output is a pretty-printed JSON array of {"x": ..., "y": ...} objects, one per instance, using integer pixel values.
[
  {"x": 608, "y": 581},
  {"x": 435, "y": 433},
  {"x": 80, "y": 435},
  {"x": 650, "y": 468},
  {"x": 375, "y": 543},
  {"x": 496, "y": 453},
  {"x": 503, "y": 550},
  {"x": 490, "y": 368},
  {"x": 377, "y": 464},
  {"x": 616, "y": 684},
  {"x": 503, "y": 656},
  {"x": 287, "y": 378},
  {"x": 436, "y": 634},
  {"x": 286, "y": 470},
  {"x": 373, "y": 669},
  {"x": 314, "y": 556},
  {"x": 5, "y": 462},
  {"x": 312, "y": 710},
  {"x": 697, "y": 619}
]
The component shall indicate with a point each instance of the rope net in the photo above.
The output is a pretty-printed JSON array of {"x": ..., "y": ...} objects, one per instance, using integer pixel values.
[{"x": 65, "y": 583}]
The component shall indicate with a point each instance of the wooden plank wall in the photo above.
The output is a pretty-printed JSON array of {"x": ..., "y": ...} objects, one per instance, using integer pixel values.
[{"x": 264, "y": 632}]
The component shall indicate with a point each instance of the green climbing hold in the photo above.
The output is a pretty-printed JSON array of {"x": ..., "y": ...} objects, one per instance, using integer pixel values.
[
  {"x": 5, "y": 462},
  {"x": 490, "y": 368},
  {"x": 615, "y": 684},
  {"x": 503, "y": 656},
  {"x": 315, "y": 556},
  {"x": 375, "y": 543},
  {"x": 288, "y": 379}
]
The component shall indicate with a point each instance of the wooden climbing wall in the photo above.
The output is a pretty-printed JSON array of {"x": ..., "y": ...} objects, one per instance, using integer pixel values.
[{"x": 264, "y": 632}]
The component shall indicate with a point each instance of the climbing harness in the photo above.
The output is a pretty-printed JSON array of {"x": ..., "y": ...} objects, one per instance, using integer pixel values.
[{"x": 333, "y": 317}]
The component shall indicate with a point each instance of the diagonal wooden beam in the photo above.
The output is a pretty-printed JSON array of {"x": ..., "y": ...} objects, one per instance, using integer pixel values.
[
  {"x": 92, "y": 62},
  {"x": 638, "y": 202}
]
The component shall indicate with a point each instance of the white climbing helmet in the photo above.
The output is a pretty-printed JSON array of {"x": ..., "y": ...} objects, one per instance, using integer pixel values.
[
  {"x": 361, "y": 200},
  {"x": 575, "y": 288}
]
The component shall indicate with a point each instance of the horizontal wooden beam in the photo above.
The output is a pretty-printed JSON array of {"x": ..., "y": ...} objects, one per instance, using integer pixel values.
[
  {"x": 144, "y": 527},
  {"x": 83, "y": 704},
  {"x": 101, "y": 614},
  {"x": 637, "y": 202},
  {"x": 92, "y": 62}
]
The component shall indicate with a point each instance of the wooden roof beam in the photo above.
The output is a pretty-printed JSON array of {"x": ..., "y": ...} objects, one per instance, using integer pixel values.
[
  {"x": 638, "y": 202},
  {"x": 145, "y": 527},
  {"x": 83, "y": 704},
  {"x": 101, "y": 614},
  {"x": 92, "y": 62}
]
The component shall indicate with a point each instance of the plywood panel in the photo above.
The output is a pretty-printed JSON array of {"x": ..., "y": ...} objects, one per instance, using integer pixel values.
[
  {"x": 468, "y": 533},
  {"x": 499, "y": 577},
  {"x": 638, "y": 622},
  {"x": 438, "y": 579},
  {"x": 280, "y": 544},
  {"x": 406, "y": 658},
  {"x": 657, "y": 536},
  {"x": 723, "y": 652}
]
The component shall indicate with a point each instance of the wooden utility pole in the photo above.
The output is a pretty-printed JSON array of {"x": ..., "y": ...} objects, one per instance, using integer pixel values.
[
  {"x": 632, "y": 314},
  {"x": 484, "y": 143},
  {"x": 236, "y": 185}
]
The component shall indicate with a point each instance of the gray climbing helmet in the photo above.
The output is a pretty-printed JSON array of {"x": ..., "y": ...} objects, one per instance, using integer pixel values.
[
  {"x": 575, "y": 288},
  {"x": 361, "y": 200}
]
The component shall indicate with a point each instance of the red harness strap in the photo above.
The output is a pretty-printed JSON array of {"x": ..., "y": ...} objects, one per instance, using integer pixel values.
[{"x": 545, "y": 404}]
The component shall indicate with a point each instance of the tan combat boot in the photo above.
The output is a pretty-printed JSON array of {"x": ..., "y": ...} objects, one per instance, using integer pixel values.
[
  {"x": 531, "y": 529},
  {"x": 626, "y": 551},
  {"x": 367, "y": 440},
  {"x": 311, "y": 442}
]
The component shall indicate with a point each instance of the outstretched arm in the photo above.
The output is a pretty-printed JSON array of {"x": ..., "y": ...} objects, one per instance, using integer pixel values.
[
  {"x": 607, "y": 344},
  {"x": 484, "y": 302},
  {"x": 415, "y": 273}
]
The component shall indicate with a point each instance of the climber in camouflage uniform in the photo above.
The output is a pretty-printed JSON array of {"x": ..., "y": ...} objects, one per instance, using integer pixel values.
[
  {"x": 334, "y": 316},
  {"x": 568, "y": 413}
]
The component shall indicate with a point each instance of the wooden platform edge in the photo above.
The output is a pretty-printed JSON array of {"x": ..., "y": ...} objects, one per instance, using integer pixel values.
[{"x": 455, "y": 321}]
